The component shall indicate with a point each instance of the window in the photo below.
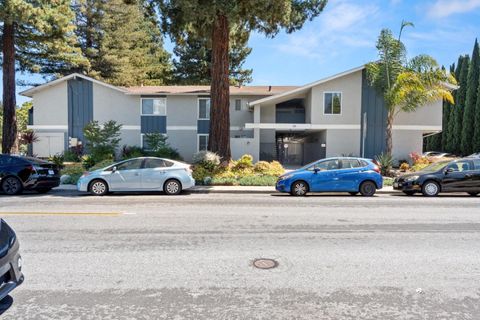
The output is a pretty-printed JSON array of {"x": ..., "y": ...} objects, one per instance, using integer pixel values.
[
  {"x": 332, "y": 103},
  {"x": 325, "y": 165},
  {"x": 350, "y": 164},
  {"x": 460, "y": 166},
  {"x": 204, "y": 109},
  {"x": 477, "y": 164},
  {"x": 238, "y": 104},
  {"x": 130, "y": 165},
  {"x": 202, "y": 142},
  {"x": 154, "y": 107},
  {"x": 152, "y": 163}
]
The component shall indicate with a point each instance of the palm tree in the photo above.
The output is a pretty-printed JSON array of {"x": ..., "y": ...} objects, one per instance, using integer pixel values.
[{"x": 406, "y": 84}]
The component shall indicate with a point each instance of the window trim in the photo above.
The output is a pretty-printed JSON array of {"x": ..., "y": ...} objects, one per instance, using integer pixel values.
[
  {"x": 341, "y": 103},
  {"x": 198, "y": 140},
  {"x": 198, "y": 108},
  {"x": 153, "y": 115},
  {"x": 235, "y": 104}
]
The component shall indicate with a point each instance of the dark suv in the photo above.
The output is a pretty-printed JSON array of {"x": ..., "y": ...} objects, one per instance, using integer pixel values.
[
  {"x": 25, "y": 173},
  {"x": 462, "y": 175},
  {"x": 10, "y": 261}
]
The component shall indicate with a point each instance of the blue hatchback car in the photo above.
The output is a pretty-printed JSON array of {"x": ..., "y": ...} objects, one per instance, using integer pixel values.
[{"x": 353, "y": 175}]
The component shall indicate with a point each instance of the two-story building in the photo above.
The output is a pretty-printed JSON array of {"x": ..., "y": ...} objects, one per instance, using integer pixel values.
[{"x": 338, "y": 115}]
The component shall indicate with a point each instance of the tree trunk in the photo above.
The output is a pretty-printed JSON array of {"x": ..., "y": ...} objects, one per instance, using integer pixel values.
[
  {"x": 389, "y": 133},
  {"x": 9, "y": 103},
  {"x": 219, "y": 137}
]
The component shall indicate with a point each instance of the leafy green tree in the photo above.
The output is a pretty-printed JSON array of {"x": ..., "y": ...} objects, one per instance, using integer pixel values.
[
  {"x": 215, "y": 20},
  {"x": 468, "y": 125},
  {"x": 36, "y": 36},
  {"x": 405, "y": 84},
  {"x": 446, "y": 120},
  {"x": 193, "y": 65},
  {"x": 159, "y": 147},
  {"x": 122, "y": 41},
  {"x": 102, "y": 141},
  {"x": 22, "y": 116}
]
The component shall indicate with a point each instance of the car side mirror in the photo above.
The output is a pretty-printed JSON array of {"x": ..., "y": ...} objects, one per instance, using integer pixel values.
[
  {"x": 114, "y": 169},
  {"x": 316, "y": 170},
  {"x": 449, "y": 170}
]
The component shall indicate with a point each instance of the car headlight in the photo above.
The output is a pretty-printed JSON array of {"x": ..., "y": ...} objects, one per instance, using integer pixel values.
[
  {"x": 411, "y": 178},
  {"x": 286, "y": 177}
]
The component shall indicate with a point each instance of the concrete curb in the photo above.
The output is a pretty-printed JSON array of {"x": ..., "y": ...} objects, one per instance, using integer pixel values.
[{"x": 229, "y": 189}]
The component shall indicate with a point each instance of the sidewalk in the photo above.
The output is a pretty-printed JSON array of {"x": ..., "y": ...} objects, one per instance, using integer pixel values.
[{"x": 229, "y": 189}]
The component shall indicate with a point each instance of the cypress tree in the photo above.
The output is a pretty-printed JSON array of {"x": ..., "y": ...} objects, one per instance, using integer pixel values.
[
  {"x": 471, "y": 101},
  {"x": 476, "y": 132},
  {"x": 458, "y": 110},
  {"x": 446, "y": 121}
]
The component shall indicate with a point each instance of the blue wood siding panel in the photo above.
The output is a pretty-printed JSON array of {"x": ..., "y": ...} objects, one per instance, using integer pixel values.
[
  {"x": 373, "y": 121},
  {"x": 153, "y": 124},
  {"x": 80, "y": 106},
  {"x": 203, "y": 126}
]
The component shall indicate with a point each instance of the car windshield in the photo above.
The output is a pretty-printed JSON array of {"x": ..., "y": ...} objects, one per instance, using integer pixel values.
[{"x": 436, "y": 166}]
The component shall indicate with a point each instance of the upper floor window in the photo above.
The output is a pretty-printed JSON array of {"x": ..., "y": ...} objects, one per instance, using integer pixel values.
[
  {"x": 204, "y": 108},
  {"x": 154, "y": 107},
  {"x": 238, "y": 104},
  {"x": 332, "y": 103}
]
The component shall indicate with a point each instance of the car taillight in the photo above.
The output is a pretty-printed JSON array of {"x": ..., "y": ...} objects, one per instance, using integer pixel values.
[
  {"x": 189, "y": 170},
  {"x": 376, "y": 169}
]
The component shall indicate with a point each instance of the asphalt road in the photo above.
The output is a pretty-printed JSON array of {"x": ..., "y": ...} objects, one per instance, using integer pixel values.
[{"x": 190, "y": 257}]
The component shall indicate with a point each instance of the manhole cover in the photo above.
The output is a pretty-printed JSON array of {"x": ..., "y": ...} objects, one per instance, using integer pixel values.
[{"x": 265, "y": 263}]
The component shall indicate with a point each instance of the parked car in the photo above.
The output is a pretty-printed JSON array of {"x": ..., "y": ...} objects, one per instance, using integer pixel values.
[
  {"x": 26, "y": 173},
  {"x": 436, "y": 154},
  {"x": 461, "y": 175},
  {"x": 139, "y": 174},
  {"x": 10, "y": 261},
  {"x": 353, "y": 175}
]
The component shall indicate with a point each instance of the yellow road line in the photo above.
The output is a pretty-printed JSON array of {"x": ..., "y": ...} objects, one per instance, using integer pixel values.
[{"x": 40, "y": 213}]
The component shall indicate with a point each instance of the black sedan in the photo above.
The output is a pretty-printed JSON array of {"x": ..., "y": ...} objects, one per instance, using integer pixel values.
[
  {"x": 10, "y": 261},
  {"x": 26, "y": 173},
  {"x": 461, "y": 175}
]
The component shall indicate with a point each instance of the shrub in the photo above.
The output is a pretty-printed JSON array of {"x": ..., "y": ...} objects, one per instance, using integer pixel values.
[
  {"x": 257, "y": 180},
  {"x": 224, "y": 181},
  {"x": 385, "y": 162},
  {"x": 158, "y": 147},
  {"x": 404, "y": 166},
  {"x": 128, "y": 152},
  {"x": 57, "y": 159},
  {"x": 74, "y": 170},
  {"x": 200, "y": 173},
  {"x": 206, "y": 159},
  {"x": 102, "y": 141},
  {"x": 273, "y": 168},
  {"x": 245, "y": 162},
  {"x": 387, "y": 181},
  {"x": 71, "y": 156},
  {"x": 87, "y": 161}
]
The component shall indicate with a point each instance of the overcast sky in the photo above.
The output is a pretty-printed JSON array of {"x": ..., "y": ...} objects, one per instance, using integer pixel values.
[{"x": 344, "y": 35}]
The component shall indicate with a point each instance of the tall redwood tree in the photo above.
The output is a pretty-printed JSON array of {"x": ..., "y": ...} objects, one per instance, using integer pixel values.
[
  {"x": 35, "y": 36},
  {"x": 218, "y": 21}
]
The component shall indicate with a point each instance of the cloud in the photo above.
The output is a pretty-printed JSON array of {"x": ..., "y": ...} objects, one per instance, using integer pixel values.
[
  {"x": 445, "y": 8},
  {"x": 343, "y": 24}
]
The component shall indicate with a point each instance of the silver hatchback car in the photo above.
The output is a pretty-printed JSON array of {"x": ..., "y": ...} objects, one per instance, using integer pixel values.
[{"x": 139, "y": 174}]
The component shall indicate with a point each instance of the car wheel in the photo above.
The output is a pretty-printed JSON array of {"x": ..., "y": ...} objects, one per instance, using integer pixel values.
[
  {"x": 368, "y": 189},
  {"x": 98, "y": 188},
  {"x": 473, "y": 194},
  {"x": 43, "y": 190},
  {"x": 12, "y": 186},
  {"x": 172, "y": 187},
  {"x": 353, "y": 193},
  {"x": 409, "y": 193},
  {"x": 430, "y": 189},
  {"x": 299, "y": 189}
]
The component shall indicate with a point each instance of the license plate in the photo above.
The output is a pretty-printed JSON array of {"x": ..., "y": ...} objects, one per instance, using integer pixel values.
[
  {"x": 51, "y": 172},
  {"x": 395, "y": 185}
]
